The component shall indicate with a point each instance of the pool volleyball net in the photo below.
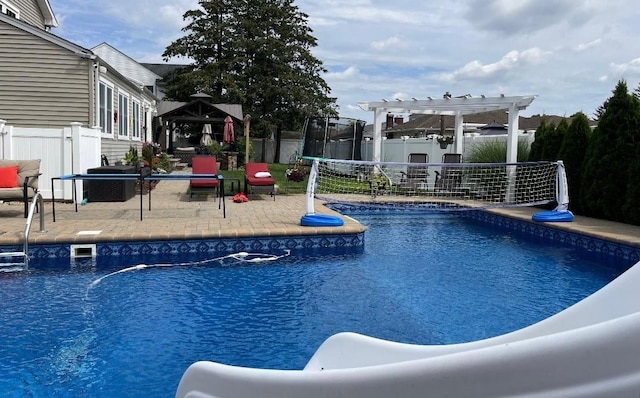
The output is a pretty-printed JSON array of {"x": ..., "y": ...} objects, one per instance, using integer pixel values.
[{"x": 441, "y": 186}]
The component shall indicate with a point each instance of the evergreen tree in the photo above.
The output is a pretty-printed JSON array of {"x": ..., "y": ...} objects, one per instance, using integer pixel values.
[
  {"x": 553, "y": 140},
  {"x": 257, "y": 53},
  {"x": 535, "y": 152},
  {"x": 612, "y": 152},
  {"x": 572, "y": 153},
  {"x": 631, "y": 207}
]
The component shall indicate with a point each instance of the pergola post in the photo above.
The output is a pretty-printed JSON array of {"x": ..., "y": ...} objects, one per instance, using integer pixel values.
[
  {"x": 377, "y": 134},
  {"x": 458, "y": 135},
  {"x": 512, "y": 135}
]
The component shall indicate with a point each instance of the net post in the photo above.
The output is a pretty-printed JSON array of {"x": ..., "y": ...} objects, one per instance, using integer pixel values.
[
  {"x": 510, "y": 193},
  {"x": 562, "y": 193},
  {"x": 311, "y": 186}
]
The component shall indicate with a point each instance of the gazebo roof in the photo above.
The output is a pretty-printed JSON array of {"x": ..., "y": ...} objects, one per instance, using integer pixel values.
[{"x": 464, "y": 105}]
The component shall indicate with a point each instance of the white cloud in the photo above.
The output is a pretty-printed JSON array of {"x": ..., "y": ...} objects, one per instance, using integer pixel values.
[
  {"x": 625, "y": 70},
  {"x": 348, "y": 73},
  {"x": 587, "y": 46},
  {"x": 512, "y": 60},
  {"x": 400, "y": 95},
  {"x": 393, "y": 43}
]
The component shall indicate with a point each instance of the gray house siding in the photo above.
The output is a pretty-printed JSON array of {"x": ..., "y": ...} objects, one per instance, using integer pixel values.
[
  {"x": 30, "y": 12},
  {"x": 41, "y": 84}
]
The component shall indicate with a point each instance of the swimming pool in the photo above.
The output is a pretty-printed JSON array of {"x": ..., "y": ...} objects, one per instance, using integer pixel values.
[{"x": 134, "y": 333}]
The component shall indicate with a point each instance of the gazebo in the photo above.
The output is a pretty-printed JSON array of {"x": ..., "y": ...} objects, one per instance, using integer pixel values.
[
  {"x": 452, "y": 106},
  {"x": 200, "y": 110}
]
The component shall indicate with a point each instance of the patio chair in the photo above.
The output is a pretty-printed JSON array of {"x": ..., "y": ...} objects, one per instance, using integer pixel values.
[
  {"x": 415, "y": 177},
  {"x": 258, "y": 178},
  {"x": 449, "y": 178},
  {"x": 19, "y": 181},
  {"x": 203, "y": 165}
]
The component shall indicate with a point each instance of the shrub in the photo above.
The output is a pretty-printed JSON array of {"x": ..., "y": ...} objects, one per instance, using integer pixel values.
[{"x": 496, "y": 152}]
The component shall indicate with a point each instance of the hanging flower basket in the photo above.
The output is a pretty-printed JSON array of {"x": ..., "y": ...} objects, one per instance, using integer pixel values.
[{"x": 444, "y": 141}]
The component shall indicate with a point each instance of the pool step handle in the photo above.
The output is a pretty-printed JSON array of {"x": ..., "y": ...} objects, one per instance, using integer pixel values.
[{"x": 13, "y": 254}]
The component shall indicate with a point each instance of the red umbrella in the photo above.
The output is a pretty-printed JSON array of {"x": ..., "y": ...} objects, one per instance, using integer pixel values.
[{"x": 228, "y": 135}]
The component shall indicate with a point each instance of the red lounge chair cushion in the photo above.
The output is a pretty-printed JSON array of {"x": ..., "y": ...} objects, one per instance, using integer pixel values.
[
  {"x": 9, "y": 177},
  {"x": 204, "y": 165},
  {"x": 250, "y": 173},
  {"x": 204, "y": 183}
]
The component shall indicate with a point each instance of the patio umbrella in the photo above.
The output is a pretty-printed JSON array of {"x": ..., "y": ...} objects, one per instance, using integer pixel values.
[
  {"x": 206, "y": 135},
  {"x": 228, "y": 135}
]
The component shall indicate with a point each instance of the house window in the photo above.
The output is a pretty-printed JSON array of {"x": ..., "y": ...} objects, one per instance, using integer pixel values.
[
  {"x": 106, "y": 108},
  {"x": 9, "y": 9},
  {"x": 123, "y": 115},
  {"x": 135, "y": 116}
]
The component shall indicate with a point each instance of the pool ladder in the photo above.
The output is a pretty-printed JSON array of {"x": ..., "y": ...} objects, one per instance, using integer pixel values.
[{"x": 24, "y": 254}]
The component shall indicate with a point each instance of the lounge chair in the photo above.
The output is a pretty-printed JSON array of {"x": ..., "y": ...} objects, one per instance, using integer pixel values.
[
  {"x": 203, "y": 165},
  {"x": 415, "y": 178},
  {"x": 449, "y": 178},
  {"x": 19, "y": 181},
  {"x": 257, "y": 177}
]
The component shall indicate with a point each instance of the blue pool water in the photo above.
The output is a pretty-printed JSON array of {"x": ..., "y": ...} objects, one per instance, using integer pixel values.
[{"x": 421, "y": 278}]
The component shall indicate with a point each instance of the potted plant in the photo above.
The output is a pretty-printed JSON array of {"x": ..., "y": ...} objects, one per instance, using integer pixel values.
[
  {"x": 131, "y": 158},
  {"x": 215, "y": 149},
  {"x": 444, "y": 141},
  {"x": 296, "y": 173},
  {"x": 378, "y": 185}
]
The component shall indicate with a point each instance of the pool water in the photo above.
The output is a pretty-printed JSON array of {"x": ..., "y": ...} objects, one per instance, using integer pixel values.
[{"x": 421, "y": 278}]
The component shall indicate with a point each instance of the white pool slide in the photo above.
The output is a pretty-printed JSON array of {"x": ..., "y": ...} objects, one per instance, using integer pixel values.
[{"x": 591, "y": 349}]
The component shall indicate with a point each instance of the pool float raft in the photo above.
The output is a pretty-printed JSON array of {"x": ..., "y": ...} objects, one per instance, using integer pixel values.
[
  {"x": 553, "y": 216},
  {"x": 321, "y": 220}
]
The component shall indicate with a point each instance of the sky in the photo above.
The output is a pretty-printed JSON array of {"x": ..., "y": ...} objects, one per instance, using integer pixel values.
[{"x": 570, "y": 54}]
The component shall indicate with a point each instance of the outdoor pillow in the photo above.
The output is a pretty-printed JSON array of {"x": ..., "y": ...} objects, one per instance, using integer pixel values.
[
  {"x": 263, "y": 174},
  {"x": 9, "y": 177}
]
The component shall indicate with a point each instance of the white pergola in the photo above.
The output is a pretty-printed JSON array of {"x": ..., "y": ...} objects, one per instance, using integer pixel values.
[{"x": 457, "y": 107}]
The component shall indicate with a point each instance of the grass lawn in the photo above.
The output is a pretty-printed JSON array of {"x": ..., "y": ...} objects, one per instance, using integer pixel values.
[{"x": 277, "y": 171}]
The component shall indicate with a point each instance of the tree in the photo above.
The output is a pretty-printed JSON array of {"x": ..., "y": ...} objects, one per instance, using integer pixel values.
[
  {"x": 631, "y": 207},
  {"x": 257, "y": 53},
  {"x": 538, "y": 145},
  {"x": 572, "y": 153},
  {"x": 553, "y": 140},
  {"x": 611, "y": 153}
]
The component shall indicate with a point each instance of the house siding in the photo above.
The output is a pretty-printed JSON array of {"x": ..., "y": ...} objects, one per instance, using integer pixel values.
[
  {"x": 42, "y": 84},
  {"x": 30, "y": 12}
]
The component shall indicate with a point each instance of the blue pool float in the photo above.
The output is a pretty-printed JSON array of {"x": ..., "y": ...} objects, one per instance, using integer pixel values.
[
  {"x": 553, "y": 216},
  {"x": 321, "y": 220}
]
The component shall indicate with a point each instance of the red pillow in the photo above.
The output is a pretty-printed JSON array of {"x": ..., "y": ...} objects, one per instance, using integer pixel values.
[{"x": 9, "y": 177}]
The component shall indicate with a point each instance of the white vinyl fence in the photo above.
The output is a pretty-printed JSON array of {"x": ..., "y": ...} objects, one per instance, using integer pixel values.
[
  {"x": 398, "y": 150},
  {"x": 68, "y": 150}
]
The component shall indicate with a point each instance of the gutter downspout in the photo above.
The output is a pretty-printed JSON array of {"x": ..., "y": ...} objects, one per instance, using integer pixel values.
[{"x": 94, "y": 94}]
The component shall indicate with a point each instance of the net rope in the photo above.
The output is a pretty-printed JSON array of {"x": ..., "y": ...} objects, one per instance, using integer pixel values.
[{"x": 445, "y": 186}]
